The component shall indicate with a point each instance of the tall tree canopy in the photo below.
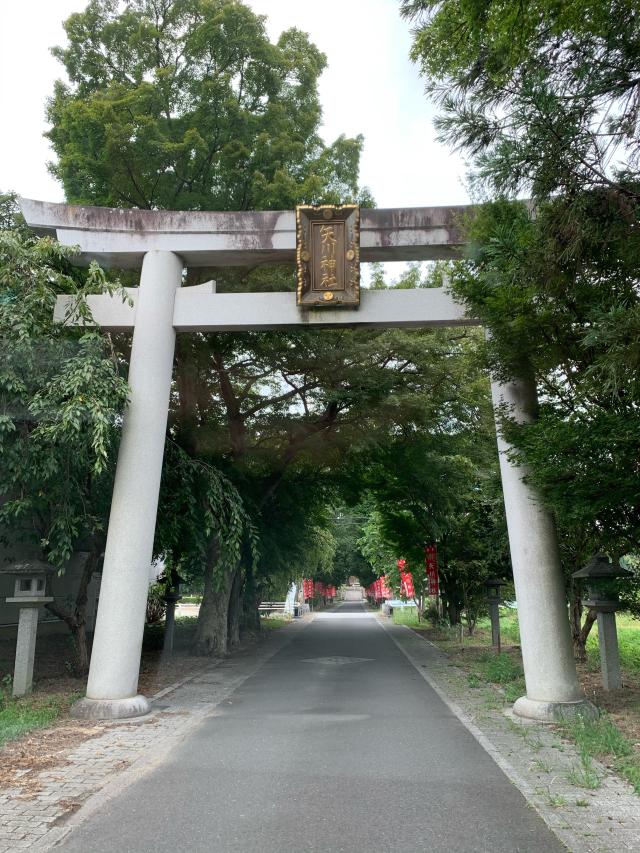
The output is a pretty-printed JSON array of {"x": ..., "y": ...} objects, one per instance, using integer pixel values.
[
  {"x": 542, "y": 95},
  {"x": 187, "y": 105}
]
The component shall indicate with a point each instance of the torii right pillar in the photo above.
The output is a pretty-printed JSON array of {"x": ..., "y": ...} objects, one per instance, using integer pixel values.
[{"x": 553, "y": 692}]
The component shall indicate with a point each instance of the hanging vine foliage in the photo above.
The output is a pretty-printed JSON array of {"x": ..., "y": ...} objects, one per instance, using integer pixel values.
[{"x": 198, "y": 503}]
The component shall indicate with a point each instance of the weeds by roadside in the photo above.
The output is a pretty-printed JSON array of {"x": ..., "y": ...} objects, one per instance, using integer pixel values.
[
  {"x": 627, "y": 626},
  {"x": 503, "y": 675},
  {"x": 603, "y": 740}
]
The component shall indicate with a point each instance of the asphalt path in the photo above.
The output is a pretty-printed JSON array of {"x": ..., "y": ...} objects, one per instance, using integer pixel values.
[{"x": 335, "y": 744}]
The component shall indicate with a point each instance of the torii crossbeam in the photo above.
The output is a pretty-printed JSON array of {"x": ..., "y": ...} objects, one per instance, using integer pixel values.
[{"x": 162, "y": 244}]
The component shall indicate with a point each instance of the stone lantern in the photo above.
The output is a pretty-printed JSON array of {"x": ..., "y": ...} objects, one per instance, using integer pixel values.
[
  {"x": 600, "y": 576},
  {"x": 492, "y": 586},
  {"x": 30, "y": 592}
]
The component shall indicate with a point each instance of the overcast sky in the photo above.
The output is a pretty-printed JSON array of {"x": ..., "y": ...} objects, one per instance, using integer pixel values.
[{"x": 370, "y": 87}]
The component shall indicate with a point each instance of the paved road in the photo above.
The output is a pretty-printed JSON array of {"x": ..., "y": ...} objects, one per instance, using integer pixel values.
[{"x": 336, "y": 744}]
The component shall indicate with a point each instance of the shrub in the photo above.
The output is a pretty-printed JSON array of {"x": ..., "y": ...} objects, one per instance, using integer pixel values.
[
  {"x": 501, "y": 669},
  {"x": 156, "y": 606}
]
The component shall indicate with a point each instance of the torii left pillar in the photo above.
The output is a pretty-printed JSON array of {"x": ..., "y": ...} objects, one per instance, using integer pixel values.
[{"x": 112, "y": 689}]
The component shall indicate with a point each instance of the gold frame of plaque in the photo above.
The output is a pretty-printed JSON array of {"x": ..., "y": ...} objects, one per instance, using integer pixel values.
[{"x": 328, "y": 256}]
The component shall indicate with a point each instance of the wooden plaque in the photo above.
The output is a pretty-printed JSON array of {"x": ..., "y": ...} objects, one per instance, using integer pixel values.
[{"x": 328, "y": 256}]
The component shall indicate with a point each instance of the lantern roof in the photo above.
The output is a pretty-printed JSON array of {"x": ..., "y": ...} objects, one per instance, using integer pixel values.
[
  {"x": 601, "y": 567},
  {"x": 27, "y": 567}
]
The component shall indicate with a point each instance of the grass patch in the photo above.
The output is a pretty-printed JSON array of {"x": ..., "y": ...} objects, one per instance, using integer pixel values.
[
  {"x": 585, "y": 776},
  {"x": 556, "y": 801},
  {"x": 500, "y": 669},
  {"x": 18, "y": 716},
  {"x": 628, "y": 643},
  {"x": 183, "y": 633},
  {"x": 628, "y": 635},
  {"x": 602, "y": 739},
  {"x": 515, "y": 689},
  {"x": 407, "y": 616},
  {"x": 503, "y": 670},
  {"x": 271, "y": 622},
  {"x": 509, "y": 630}
]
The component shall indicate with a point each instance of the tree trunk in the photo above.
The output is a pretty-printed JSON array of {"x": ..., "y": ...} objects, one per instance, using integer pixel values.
[
  {"x": 449, "y": 589},
  {"x": 580, "y": 642},
  {"x": 453, "y": 611},
  {"x": 80, "y": 639},
  {"x": 580, "y": 632},
  {"x": 76, "y": 619},
  {"x": 250, "y": 619},
  {"x": 212, "y": 627},
  {"x": 235, "y": 609},
  {"x": 451, "y": 600}
]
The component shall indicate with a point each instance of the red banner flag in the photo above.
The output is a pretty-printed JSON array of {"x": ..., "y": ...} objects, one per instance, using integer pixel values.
[
  {"x": 431, "y": 567},
  {"x": 384, "y": 588},
  {"x": 307, "y": 588},
  {"x": 406, "y": 584}
]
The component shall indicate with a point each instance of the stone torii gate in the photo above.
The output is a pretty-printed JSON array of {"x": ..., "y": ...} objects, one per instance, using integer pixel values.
[{"x": 162, "y": 244}]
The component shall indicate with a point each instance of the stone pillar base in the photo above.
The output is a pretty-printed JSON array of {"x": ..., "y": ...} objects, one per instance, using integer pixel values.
[
  {"x": 109, "y": 709},
  {"x": 554, "y": 712}
]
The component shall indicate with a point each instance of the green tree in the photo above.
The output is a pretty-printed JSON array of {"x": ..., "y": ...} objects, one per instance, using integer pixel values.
[
  {"x": 439, "y": 484},
  {"x": 187, "y": 105},
  {"x": 541, "y": 97},
  {"x": 61, "y": 394},
  {"x": 284, "y": 414},
  {"x": 568, "y": 318},
  {"x": 350, "y": 561}
]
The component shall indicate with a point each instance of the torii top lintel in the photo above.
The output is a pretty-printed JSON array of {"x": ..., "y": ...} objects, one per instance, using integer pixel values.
[{"x": 121, "y": 237}]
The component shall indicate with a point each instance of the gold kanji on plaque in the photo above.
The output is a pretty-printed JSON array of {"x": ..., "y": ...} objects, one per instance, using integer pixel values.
[{"x": 328, "y": 256}]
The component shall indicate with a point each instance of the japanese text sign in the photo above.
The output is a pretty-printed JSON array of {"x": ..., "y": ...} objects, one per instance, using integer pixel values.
[
  {"x": 328, "y": 256},
  {"x": 431, "y": 567}
]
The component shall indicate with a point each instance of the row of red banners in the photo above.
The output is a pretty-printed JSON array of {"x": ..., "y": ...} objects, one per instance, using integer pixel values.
[
  {"x": 317, "y": 589},
  {"x": 379, "y": 589}
]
